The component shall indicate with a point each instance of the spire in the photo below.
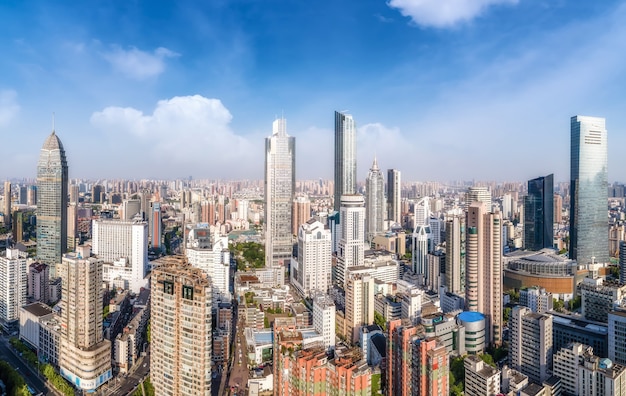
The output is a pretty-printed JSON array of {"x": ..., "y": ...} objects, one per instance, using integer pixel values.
[{"x": 375, "y": 164}]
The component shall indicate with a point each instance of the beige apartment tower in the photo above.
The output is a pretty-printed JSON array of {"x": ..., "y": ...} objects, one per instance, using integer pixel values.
[
  {"x": 180, "y": 360},
  {"x": 84, "y": 355},
  {"x": 483, "y": 269}
]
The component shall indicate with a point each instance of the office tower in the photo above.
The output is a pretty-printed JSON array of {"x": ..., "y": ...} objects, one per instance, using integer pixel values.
[
  {"x": 599, "y": 298},
  {"x": 72, "y": 227},
  {"x": 22, "y": 195},
  {"x": 7, "y": 204},
  {"x": 507, "y": 206},
  {"x": 209, "y": 252},
  {"x": 622, "y": 262},
  {"x": 483, "y": 267},
  {"x": 311, "y": 269},
  {"x": 530, "y": 351},
  {"x": 280, "y": 185},
  {"x": 430, "y": 366},
  {"x": 359, "y": 303},
  {"x": 411, "y": 304},
  {"x": 52, "y": 182},
  {"x": 617, "y": 336},
  {"x": 324, "y": 319},
  {"x": 558, "y": 208},
  {"x": 13, "y": 287},
  {"x": 374, "y": 202},
  {"x": 301, "y": 213},
  {"x": 479, "y": 194},
  {"x": 96, "y": 193},
  {"x": 32, "y": 195},
  {"x": 39, "y": 282},
  {"x": 130, "y": 209},
  {"x": 480, "y": 378},
  {"x": 18, "y": 226},
  {"x": 350, "y": 247},
  {"x": 421, "y": 210},
  {"x": 588, "y": 191},
  {"x": 116, "y": 241},
  {"x": 455, "y": 255},
  {"x": 74, "y": 194},
  {"x": 180, "y": 358},
  {"x": 538, "y": 213},
  {"x": 84, "y": 354},
  {"x": 394, "y": 196},
  {"x": 156, "y": 225},
  {"x": 345, "y": 157}
]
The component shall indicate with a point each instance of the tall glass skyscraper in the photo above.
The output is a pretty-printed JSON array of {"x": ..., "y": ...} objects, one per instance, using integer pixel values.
[
  {"x": 280, "y": 183},
  {"x": 52, "y": 201},
  {"x": 589, "y": 237},
  {"x": 345, "y": 157},
  {"x": 394, "y": 208},
  {"x": 539, "y": 213},
  {"x": 374, "y": 202}
]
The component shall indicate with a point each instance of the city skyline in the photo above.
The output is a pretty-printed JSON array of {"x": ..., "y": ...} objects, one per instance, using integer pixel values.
[{"x": 119, "y": 80}]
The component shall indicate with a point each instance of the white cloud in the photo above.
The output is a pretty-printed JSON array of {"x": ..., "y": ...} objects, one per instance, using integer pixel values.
[
  {"x": 443, "y": 13},
  {"x": 184, "y": 132},
  {"x": 138, "y": 64},
  {"x": 8, "y": 106}
]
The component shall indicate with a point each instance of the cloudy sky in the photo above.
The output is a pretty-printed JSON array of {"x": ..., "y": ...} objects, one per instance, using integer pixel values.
[{"x": 440, "y": 89}]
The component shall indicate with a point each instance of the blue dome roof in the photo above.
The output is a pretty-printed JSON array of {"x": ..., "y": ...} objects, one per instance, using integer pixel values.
[{"x": 471, "y": 316}]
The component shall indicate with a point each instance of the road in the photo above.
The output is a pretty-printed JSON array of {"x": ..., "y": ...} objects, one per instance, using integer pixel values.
[
  {"x": 30, "y": 375},
  {"x": 125, "y": 386}
]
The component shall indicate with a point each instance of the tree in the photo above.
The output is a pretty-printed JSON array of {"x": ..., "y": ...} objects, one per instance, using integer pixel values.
[
  {"x": 380, "y": 320},
  {"x": 575, "y": 303},
  {"x": 557, "y": 305},
  {"x": 487, "y": 358},
  {"x": 506, "y": 314}
]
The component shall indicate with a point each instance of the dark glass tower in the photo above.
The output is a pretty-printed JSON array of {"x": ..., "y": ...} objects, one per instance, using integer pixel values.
[
  {"x": 345, "y": 157},
  {"x": 52, "y": 201},
  {"x": 589, "y": 238},
  {"x": 539, "y": 213}
]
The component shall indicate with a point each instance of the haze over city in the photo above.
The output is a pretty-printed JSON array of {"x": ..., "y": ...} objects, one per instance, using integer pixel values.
[{"x": 482, "y": 88}]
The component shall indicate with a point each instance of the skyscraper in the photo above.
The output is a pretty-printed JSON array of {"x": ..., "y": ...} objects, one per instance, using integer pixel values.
[
  {"x": 479, "y": 194},
  {"x": 374, "y": 202},
  {"x": 589, "y": 191},
  {"x": 538, "y": 213},
  {"x": 422, "y": 237},
  {"x": 351, "y": 245},
  {"x": 345, "y": 157},
  {"x": 7, "y": 204},
  {"x": 394, "y": 196},
  {"x": 85, "y": 356},
  {"x": 483, "y": 269},
  {"x": 180, "y": 359},
  {"x": 280, "y": 183},
  {"x": 52, "y": 182},
  {"x": 13, "y": 286},
  {"x": 311, "y": 269},
  {"x": 455, "y": 254},
  {"x": 531, "y": 343}
]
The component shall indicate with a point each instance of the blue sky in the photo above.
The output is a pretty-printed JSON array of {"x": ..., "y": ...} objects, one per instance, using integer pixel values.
[{"x": 440, "y": 89}]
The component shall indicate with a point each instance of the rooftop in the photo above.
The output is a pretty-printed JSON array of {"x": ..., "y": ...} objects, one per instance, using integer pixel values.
[
  {"x": 53, "y": 143},
  {"x": 38, "y": 309}
]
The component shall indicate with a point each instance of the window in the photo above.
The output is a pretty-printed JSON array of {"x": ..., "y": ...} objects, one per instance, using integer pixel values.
[
  {"x": 168, "y": 287},
  {"x": 188, "y": 292}
]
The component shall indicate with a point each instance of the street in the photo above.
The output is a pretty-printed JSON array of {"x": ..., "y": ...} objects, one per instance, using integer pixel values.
[{"x": 29, "y": 375}]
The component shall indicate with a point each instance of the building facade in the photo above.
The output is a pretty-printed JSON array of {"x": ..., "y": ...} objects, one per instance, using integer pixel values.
[
  {"x": 180, "y": 361},
  {"x": 311, "y": 270},
  {"x": 13, "y": 286},
  {"x": 374, "y": 202},
  {"x": 394, "y": 196},
  {"x": 588, "y": 190},
  {"x": 538, "y": 213},
  {"x": 52, "y": 184},
  {"x": 280, "y": 183},
  {"x": 351, "y": 244},
  {"x": 345, "y": 157},
  {"x": 531, "y": 343}
]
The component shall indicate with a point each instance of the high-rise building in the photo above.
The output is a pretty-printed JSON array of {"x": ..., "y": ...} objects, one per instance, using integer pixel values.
[
  {"x": 7, "y": 204},
  {"x": 113, "y": 240},
  {"x": 455, "y": 255},
  {"x": 483, "y": 269},
  {"x": 430, "y": 366},
  {"x": 22, "y": 195},
  {"x": 531, "y": 351},
  {"x": 32, "y": 195},
  {"x": 301, "y": 213},
  {"x": 324, "y": 319},
  {"x": 359, "y": 302},
  {"x": 394, "y": 196},
  {"x": 280, "y": 184},
  {"x": 622, "y": 262},
  {"x": 588, "y": 191},
  {"x": 18, "y": 226},
  {"x": 13, "y": 286},
  {"x": 538, "y": 213},
  {"x": 180, "y": 358},
  {"x": 39, "y": 282},
  {"x": 558, "y": 208},
  {"x": 345, "y": 157},
  {"x": 617, "y": 336},
  {"x": 52, "y": 182},
  {"x": 209, "y": 251},
  {"x": 155, "y": 225},
  {"x": 481, "y": 378},
  {"x": 84, "y": 355},
  {"x": 350, "y": 248},
  {"x": 479, "y": 194},
  {"x": 131, "y": 208},
  {"x": 374, "y": 202},
  {"x": 311, "y": 270},
  {"x": 399, "y": 352},
  {"x": 72, "y": 226}
]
